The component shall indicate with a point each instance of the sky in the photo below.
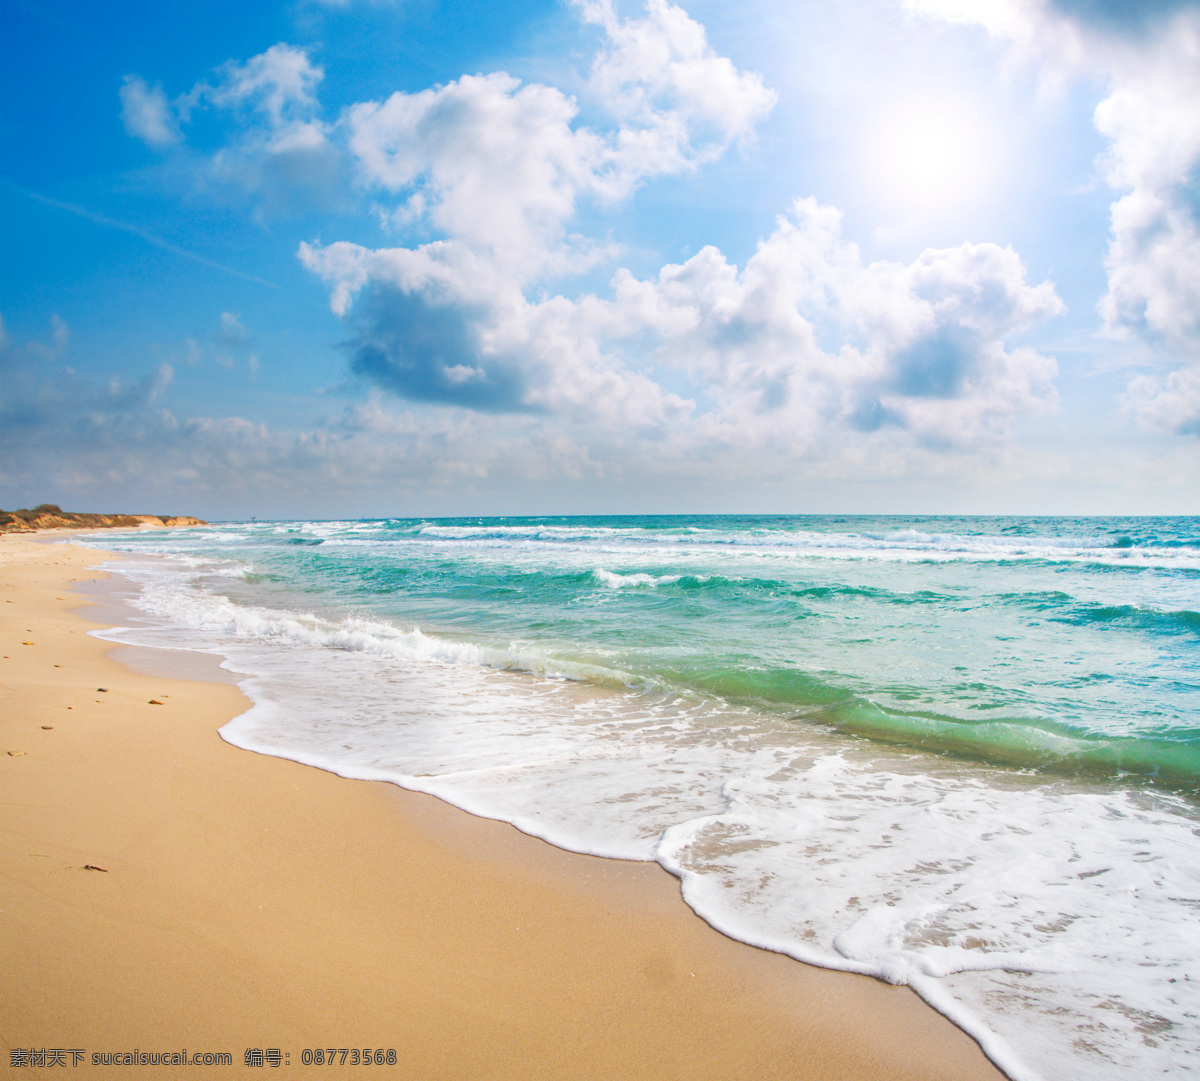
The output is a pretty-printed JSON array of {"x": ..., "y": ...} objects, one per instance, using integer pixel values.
[{"x": 370, "y": 258}]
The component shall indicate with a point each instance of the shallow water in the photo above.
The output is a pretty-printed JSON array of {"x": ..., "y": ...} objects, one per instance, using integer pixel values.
[{"x": 960, "y": 753}]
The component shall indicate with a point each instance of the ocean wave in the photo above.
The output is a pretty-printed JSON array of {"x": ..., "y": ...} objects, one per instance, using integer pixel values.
[
  {"x": 806, "y": 806},
  {"x": 612, "y": 580},
  {"x": 226, "y": 621},
  {"x": 1170, "y": 756},
  {"x": 1091, "y": 541},
  {"x": 897, "y": 545},
  {"x": 1157, "y": 621}
]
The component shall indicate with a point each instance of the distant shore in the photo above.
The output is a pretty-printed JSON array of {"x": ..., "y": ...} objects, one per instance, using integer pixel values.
[
  {"x": 52, "y": 516},
  {"x": 165, "y": 890}
]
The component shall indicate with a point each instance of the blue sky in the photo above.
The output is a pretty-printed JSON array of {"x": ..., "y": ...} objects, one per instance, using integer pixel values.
[{"x": 371, "y": 258}]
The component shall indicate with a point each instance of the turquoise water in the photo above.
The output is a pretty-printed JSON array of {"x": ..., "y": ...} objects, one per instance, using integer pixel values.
[
  {"x": 876, "y": 743},
  {"x": 1063, "y": 644}
]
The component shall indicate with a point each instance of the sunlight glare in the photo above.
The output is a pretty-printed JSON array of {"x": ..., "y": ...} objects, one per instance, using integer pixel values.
[{"x": 929, "y": 156}]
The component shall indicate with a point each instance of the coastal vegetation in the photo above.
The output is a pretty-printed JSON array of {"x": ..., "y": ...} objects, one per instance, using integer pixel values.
[{"x": 52, "y": 516}]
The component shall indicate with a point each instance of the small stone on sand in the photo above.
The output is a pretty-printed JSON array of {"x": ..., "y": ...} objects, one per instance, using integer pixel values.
[
  {"x": 15, "y": 754},
  {"x": 48, "y": 727},
  {"x": 155, "y": 702}
]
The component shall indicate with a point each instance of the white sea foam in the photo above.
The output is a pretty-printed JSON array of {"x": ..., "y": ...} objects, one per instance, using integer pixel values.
[
  {"x": 619, "y": 581},
  {"x": 1053, "y": 921},
  {"x": 186, "y": 611},
  {"x": 897, "y": 545}
]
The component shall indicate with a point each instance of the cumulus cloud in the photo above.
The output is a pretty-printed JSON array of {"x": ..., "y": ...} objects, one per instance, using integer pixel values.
[
  {"x": 922, "y": 349},
  {"x": 1170, "y": 403},
  {"x": 442, "y": 324},
  {"x": 681, "y": 102},
  {"x": 1150, "y": 55},
  {"x": 280, "y": 84},
  {"x": 801, "y": 353},
  {"x": 278, "y": 87},
  {"x": 1152, "y": 119},
  {"x": 280, "y": 152},
  {"x": 804, "y": 342},
  {"x": 117, "y": 443},
  {"x": 807, "y": 338},
  {"x": 283, "y": 152},
  {"x": 802, "y": 347},
  {"x": 431, "y": 350},
  {"x": 484, "y": 159},
  {"x": 501, "y": 166}
]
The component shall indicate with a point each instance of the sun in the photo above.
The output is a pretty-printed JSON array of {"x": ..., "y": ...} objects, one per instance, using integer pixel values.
[{"x": 928, "y": 155}]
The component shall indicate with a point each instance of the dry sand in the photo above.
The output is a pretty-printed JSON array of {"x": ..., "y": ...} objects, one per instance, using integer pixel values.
[{"x": 249, "y": 902}]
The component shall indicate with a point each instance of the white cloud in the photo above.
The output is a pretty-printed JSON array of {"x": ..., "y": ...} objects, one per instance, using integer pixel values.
[
  {"x": 803, "y": 342},
  {"x": 680, "y": 102},
  {"x": 806, "y": 352},
  {"x": 381, "y": 457},
  {"x": 232, "y": 331},
  {"x": 1153, "y": 120},
  {"x": 501, "y": 166},
  {"x": 806, "y": 339},
  {"x": 443, "y": 324},
  {"x": 447, "y": 269},
  {"x": 1170, "y": 404},
  {"x": 484, "y": 159},
  {"x": 280, "y": 83},
  {"x": 284, "y": 151},
  {"x": 802, "y": 347},
  {"x": 147, "y": 114},
  {"x": 280, "y": 150},
  {"x": 115, "y": 440}
]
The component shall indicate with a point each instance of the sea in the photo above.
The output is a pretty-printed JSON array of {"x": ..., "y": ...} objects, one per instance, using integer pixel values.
[{"x": 957, "y": 753}]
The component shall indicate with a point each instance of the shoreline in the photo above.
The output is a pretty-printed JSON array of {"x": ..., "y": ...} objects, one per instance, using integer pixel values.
[{"x": 247, "y": 901}]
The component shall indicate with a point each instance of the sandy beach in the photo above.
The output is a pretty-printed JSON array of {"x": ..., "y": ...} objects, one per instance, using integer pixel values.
[{"x": 164, "y": 890}]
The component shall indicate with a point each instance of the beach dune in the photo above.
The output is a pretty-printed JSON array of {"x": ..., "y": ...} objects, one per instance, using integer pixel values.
[{"x": 163, "y": 890}]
